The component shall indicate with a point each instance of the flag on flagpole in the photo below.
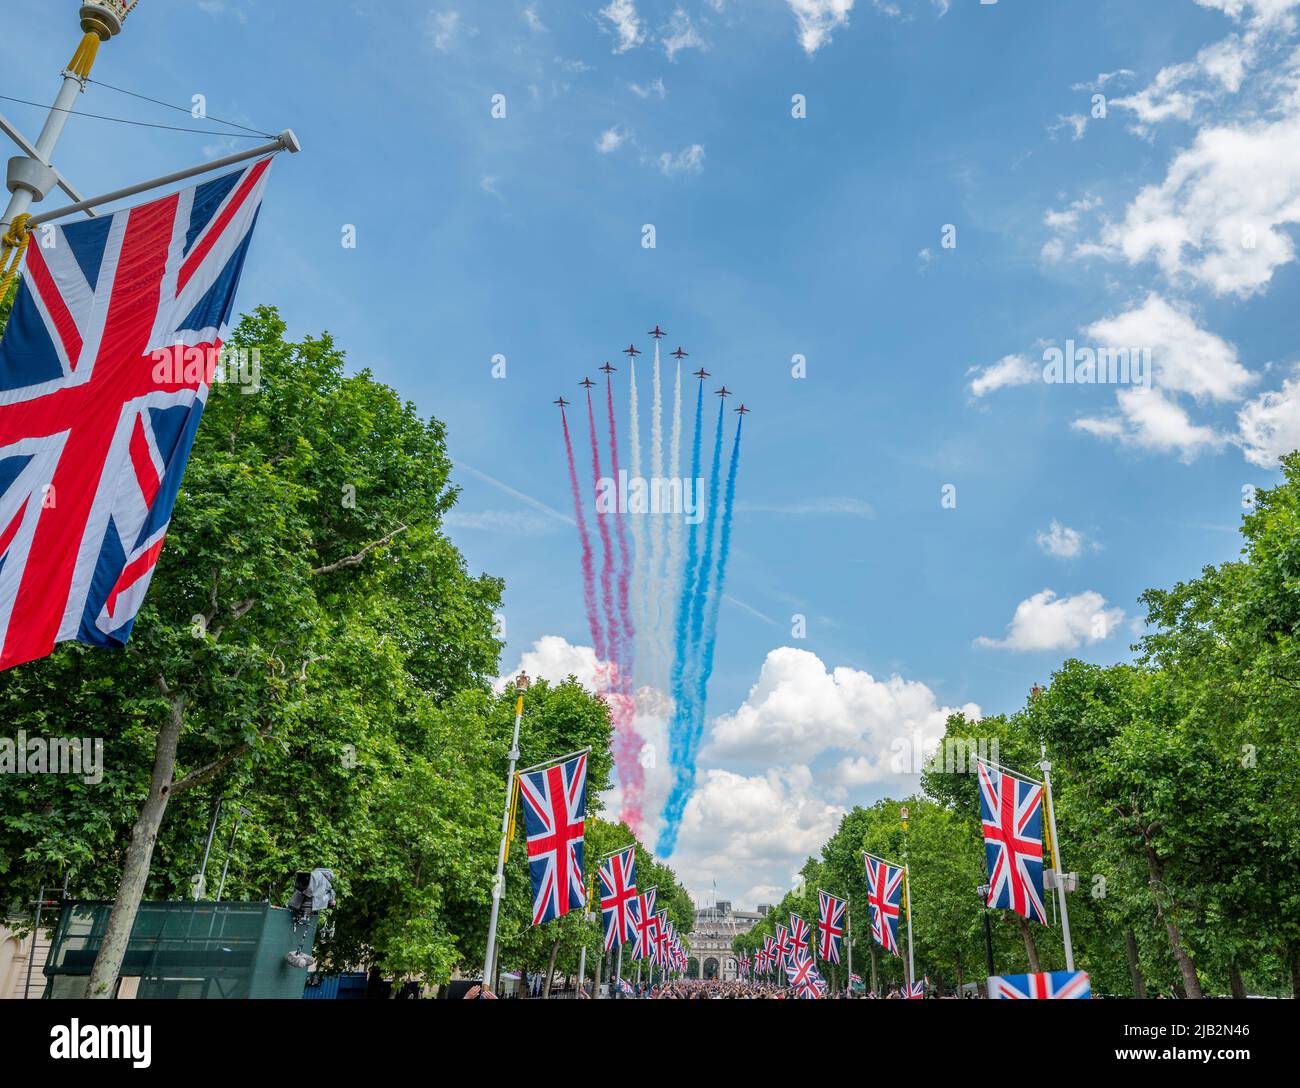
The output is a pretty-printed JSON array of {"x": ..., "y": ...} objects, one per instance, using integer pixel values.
[
  {"x": 1050, "y": 985},
  {"x": 1011, "y": 810},
  {"x": 111, "y": 349},
  {"x": 830, "y": 925},
  {"x": 555, "y": 810},
  {"x": 884, "y": 897},
  {"x": 617, "y": 893}
]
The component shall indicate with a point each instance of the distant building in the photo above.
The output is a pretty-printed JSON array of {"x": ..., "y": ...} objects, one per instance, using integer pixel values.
[{"x": 710, "y": 941}]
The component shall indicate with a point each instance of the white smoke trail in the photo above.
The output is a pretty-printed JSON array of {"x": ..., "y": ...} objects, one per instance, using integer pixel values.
[
  {"x": 657, "y": 603},
  {"x": 638, "y": 529},
  {"x": 673, "y": 581}
]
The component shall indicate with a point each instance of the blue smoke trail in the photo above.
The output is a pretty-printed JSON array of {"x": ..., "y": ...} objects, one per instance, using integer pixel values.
[
  {"x": 693, "y": 716},
  {"x": 682, "y": 637}
]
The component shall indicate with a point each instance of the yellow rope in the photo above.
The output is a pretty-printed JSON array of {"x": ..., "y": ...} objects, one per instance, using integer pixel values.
[
  {"x": 14, "y": 245},
  {"x": 83, "y": 60}
]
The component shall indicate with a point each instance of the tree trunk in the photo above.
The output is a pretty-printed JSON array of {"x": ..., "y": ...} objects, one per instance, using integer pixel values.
[
  {"x": 1134, "y": 967},
  {"x": 1031, "y": 948},
  {"x": 139, "y": 855},
  {"x": 1155, "y": 872},
  {"x": 1295, "y": 972},
  {"x": 550, "y": 969},
  {"x": 875, "y": 986},
  {"x": 1235, "y": 980}
]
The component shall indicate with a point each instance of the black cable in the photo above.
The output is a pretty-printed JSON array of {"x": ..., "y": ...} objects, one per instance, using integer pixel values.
[
  {"x": 140, "y": 124},
  {"x": 172, "y": 106}
]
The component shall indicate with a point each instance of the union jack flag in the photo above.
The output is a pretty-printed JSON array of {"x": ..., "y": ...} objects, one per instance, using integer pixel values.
[
  {"x": 555, "y": 810},
  {"x": 915, "y": 990},
  {"x": 105, "y": 369},
  {"x": 772, "y": 953},
  {"x": 1055, "y": 985},
  {"x": 830, "y": 925},
  {"x": 803, "y": 977},
  {"x": 801, "y": 935},
  {"x": 617, "y": 893},
  {"x": 784, "y": 947},
  {"x": 645, "y": 925},
  {"x": 625, "y": 987},
  {"x": 662, "y": 954},
  {"x": 1012, "y": 813},
  {"x": 884, "y": 896}
]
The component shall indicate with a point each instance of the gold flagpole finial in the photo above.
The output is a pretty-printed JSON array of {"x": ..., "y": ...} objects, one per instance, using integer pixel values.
[{"x": 99, "y": 22}]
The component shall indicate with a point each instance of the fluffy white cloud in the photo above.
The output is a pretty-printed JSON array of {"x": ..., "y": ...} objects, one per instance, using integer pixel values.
[
  {"x": 689, "y": 160},
  {"x": 1048, "y": 622},
  {"x": 800, "y": 705},
  {"x": 625, "y": 23},
  {"x": 1060, "y": 541},
  {"x": 818, "y": 19},
  {"x": 1263, "y": 11},
  {"x": 1185, "y": 357},
  {"x": 1009, "y": 370},
  {"x": 1220, "y": 216},
  {"x": 752, "y": 833},
  {"x": 1269, "y": 426}
]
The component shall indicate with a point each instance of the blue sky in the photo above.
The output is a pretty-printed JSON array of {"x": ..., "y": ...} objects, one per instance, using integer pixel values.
[{"x": 1168, "y": 223}]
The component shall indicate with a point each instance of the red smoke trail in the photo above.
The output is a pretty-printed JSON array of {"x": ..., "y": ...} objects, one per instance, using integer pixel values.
[
  {"x": 627, "y": 745},
  {"x": 623, "y": 707},
  {"x": 606, "y": 547},
  {"x": 588, "y": 570},
  {"x": 625, "y": 569}
]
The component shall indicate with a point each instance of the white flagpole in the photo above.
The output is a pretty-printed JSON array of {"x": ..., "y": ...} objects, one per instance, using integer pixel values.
[
  {"x": 848, "y": 931},
  {"x": 1046, "y": 768},
  {"x": 498, "y": 885},
  {"x": 907, "y": 895}
]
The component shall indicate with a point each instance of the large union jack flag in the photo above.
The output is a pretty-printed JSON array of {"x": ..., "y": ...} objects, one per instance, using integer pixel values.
[
  {"x": 617, "y": 894},
  {"x": 803, "y": 977},
  {"x": 1056, "y": 985},
  {"x": 1012, "y": 812},
  {"x": 800, "y": 938},
  {"x": 884, "y": 897},
  {"x": 830, "y": 925},
  {"x": 555, "y": 811},
  {"x": 105, "y": 369}
]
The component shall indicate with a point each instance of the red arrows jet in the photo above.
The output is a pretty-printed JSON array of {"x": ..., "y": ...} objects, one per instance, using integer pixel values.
[
  {"x": 657, "y": 333},
  {"x": 679, "y": 355},
  {"x": 702, "y": 374},
  {"x": 586, "y": 383},
  {"x": 607, "y": 369},
  {"x": 631, "y": 350},
  {"x": 561, "y": 402},
  {"x": 743, "y": 410},
  {"x": 724, "y": 392}
]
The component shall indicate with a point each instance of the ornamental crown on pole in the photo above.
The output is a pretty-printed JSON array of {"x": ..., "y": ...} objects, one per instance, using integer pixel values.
[{"x": 105, "y": 17}]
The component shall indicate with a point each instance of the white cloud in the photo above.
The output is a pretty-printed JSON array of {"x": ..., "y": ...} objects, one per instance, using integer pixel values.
[
  {"x": 446, "y": 29},
  {"x": 1099, "y": 84},
  {"x": 626, "y": 24},
  {"x": 752, "y": 833},
  {"x": 1007, "y": 371},
  {"x": 1077, "y": 123},
  {"x": 799, "y": 705},
  {"x": 1263, "y": 11},
  {"x": 1185, "y": 357},
  {"x": 1269, "y": 425},
  {"x": 1047, "y": 622},
  {"x": 818, "y": 19},
  {"x": 1219, "y": 217},
  {"x": 680, "y": 33},
  {"x": 1060, "y": 541},
  {"x": 611, "y": 140},
  {"x": 689, "y": 160}
]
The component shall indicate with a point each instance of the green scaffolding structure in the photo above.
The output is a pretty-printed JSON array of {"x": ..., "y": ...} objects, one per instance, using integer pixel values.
[{"x": 195, "y": 950}]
